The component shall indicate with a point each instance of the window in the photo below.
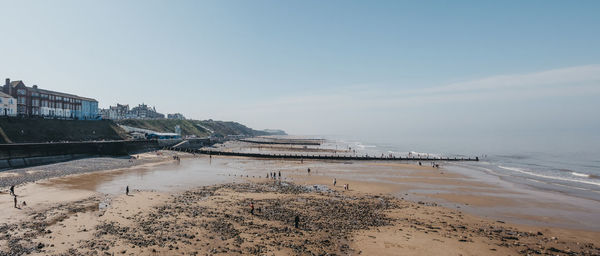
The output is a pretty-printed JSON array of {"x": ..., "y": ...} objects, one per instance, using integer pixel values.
[
  {"x": 21, "y": 100},
  {"x": 21, "y": 92},
  {"x": 35, "y": 102},
  {"x": 35, "y": 94}
]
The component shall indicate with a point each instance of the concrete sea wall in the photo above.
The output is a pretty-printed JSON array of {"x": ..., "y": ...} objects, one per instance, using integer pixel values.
[{"x": 30, "y": 154}]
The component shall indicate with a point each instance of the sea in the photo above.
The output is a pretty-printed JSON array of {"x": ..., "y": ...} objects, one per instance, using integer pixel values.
[{"x": 572, "y": 172}]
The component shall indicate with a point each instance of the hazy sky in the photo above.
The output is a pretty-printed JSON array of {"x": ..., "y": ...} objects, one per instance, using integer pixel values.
[{"x": 499, "y": 73}]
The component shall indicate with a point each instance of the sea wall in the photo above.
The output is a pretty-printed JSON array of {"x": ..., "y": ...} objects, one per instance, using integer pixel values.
[{"x": 30, "y": 154}]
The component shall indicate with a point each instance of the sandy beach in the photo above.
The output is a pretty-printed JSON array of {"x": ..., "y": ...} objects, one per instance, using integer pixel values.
[{"x": 201, "y": 206}]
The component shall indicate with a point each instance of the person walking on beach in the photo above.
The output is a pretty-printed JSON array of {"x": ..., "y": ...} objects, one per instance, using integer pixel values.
[
  {"x": 127, "y": 190},
  {"x": 296, "y": 221},
  {"x": 308, "y": 170},
  {"x": 12, "y": 190},
  {"x": 252, "y": 208},
  {"x": 334, "y": 182},
  {"x": 280, "y": 174},
  {"x": 15, "y": 199}
]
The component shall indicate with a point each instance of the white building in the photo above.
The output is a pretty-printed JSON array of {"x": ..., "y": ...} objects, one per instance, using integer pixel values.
[{"x": 8, "y": 105}]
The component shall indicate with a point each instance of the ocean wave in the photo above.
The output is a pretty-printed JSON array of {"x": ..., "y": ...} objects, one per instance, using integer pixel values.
[
  {"x": 580, "y": 174},
  {"x": 548, "y": 176},
  {"x": 362, "y": 146}
]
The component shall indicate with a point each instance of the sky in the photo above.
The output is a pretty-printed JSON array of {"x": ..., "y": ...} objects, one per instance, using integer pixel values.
[{"x": 462, "y": 75}]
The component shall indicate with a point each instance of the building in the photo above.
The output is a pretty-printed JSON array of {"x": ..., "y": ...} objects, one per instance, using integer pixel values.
[
  {"x": 117, "y": 112},
  {"x": 8, "y": 105},
  {"x": 163, "y": 135},
  {"x": 89, "y": 109},
  {"x": 142, "y": 111},
  {"x": 36, "y": 102},
  {"x": 120, "y": 111},
  {"x": 176, "y": 116}
]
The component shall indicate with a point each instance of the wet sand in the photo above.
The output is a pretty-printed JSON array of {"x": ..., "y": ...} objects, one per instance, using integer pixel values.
[{"x": 426, "y": 211}]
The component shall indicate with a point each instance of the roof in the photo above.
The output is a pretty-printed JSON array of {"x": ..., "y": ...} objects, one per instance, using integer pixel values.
[
  {"x": 62, "y": 94},
  {"x": 16, "y": 82},
  {"x": 4, "y": 95}
]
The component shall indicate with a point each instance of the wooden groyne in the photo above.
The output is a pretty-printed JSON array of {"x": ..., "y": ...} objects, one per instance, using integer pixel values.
[
  {"x": 324, "y": 157},
  {"x": 285, "y": 142}
]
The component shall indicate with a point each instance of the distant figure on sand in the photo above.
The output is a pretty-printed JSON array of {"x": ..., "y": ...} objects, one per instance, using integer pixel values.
[
  {"x": 12, "y": 190},
  {"x": 279, "y": 174},
  {"x": 127, "y": 190},
  {"x": 251, "y": 208},
  {"x": 308, "y": 170},
  {"x": 15, "y": 199},
  {"x": 334, "y": 182},
  {"x": 296, "y": 221}
]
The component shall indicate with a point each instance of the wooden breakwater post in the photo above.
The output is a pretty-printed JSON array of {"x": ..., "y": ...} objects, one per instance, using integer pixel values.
[{"x": 332, "y": 157}]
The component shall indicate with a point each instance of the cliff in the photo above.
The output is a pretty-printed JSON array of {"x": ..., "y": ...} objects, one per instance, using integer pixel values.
[{"x": 196, "y": 127}]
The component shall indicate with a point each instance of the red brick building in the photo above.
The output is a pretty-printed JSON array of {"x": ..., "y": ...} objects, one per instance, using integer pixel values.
[{"x": 33, "y": 101}]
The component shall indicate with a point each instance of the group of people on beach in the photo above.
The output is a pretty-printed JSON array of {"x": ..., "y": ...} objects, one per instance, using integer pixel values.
[
  {"x": 346, "y": 186},
  {"x": 296, "y": 218},
  {"x": 12, "y": 193},
  {"x": 274, "y": 175},
  {"x": 433, "y": 164}
]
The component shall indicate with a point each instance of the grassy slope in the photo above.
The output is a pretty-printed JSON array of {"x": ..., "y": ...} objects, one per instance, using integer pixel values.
[
  {"x": 43, "y": 130},
  {"x": 193, "y": 127}
]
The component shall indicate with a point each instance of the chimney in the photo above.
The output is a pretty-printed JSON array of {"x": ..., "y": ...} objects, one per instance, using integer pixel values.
[
  {"x": 7, "y": 86},
  {"x": 35, "y": 86}
]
